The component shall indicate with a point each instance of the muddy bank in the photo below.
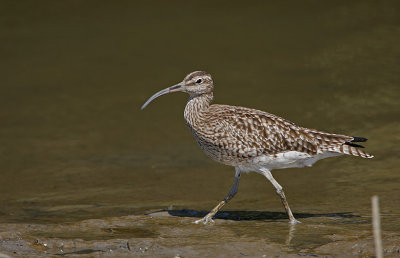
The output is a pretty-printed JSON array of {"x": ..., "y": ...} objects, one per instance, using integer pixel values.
[{"x": 162, "y": 235}]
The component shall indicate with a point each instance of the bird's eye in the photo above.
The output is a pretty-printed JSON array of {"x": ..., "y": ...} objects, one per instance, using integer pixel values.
[{"x": 198, "y": 81}]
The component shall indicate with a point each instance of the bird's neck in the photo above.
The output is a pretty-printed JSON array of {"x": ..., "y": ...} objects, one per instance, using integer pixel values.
[{"x": 196, "y": 108}]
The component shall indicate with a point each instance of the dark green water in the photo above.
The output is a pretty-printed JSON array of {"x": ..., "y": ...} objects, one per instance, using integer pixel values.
[{"x": 73, "y": 74}]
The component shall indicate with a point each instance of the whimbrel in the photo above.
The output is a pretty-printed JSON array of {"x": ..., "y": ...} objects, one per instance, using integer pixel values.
[{"x": 253, "y": 140}]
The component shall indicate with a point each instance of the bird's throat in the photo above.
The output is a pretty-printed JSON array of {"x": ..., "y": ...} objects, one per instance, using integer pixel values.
[{"x": 196, "y": 109}]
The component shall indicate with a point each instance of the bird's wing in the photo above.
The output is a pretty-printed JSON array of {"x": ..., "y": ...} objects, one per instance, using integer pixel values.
[{"x": 259, "y": 132}]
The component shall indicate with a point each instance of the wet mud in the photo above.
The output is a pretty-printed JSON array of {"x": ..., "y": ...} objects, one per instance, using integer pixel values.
[{"x": 172, "y": 233}]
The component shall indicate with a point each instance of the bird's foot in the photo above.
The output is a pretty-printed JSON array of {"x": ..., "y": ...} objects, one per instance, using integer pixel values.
[
  {"x": 294, "y": 221},
  {"x": 206, "y": 220}
]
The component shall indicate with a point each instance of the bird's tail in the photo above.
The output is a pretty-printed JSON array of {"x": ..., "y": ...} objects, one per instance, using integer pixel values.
[
  {"x": 351, "y": 148},
  {"x": 340, "y": 143}
]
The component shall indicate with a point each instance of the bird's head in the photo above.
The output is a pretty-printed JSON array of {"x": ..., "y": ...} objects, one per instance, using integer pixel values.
[{"x": 195, "y": 83}]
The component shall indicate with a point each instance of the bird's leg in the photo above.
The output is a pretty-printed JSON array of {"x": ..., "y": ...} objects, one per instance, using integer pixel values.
[
  {"x": 232, "y": 192},
  {"x": 279, "y": 191}
]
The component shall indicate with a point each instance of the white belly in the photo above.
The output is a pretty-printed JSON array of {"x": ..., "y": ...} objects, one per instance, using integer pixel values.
[{"x": 289, "y": 159}]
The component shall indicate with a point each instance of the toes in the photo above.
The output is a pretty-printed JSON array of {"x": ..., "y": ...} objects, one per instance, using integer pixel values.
[
  {"x": 198, "y": 221},
  {"x": 204, "y": 221},
  {"x": 208, "y": 221},
  {"x": 294, "y": 222}
]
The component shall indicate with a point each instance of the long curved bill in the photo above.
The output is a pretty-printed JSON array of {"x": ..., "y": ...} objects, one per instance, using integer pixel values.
[{"x": 174, "y": 88}]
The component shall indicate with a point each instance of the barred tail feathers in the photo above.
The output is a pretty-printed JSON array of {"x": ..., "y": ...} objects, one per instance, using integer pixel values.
[{"x": 349, "y": 150}]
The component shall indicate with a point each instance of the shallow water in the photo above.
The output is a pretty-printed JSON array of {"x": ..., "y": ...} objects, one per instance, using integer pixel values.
[{"x": 75, "y": 145}]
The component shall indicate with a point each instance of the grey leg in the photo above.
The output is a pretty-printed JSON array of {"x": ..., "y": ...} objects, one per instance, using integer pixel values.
[
  {"x": 281, "y": 194},
  {"x": 232, "y": 192}
]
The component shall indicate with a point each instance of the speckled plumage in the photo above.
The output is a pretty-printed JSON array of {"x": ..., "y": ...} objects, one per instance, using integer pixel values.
[
  {"x": 236, "y": 135},
  {"x": 253, "y": 140}
]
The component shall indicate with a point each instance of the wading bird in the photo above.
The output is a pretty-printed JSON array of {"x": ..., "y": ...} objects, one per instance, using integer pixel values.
[{"x": 253, "y": 140}]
